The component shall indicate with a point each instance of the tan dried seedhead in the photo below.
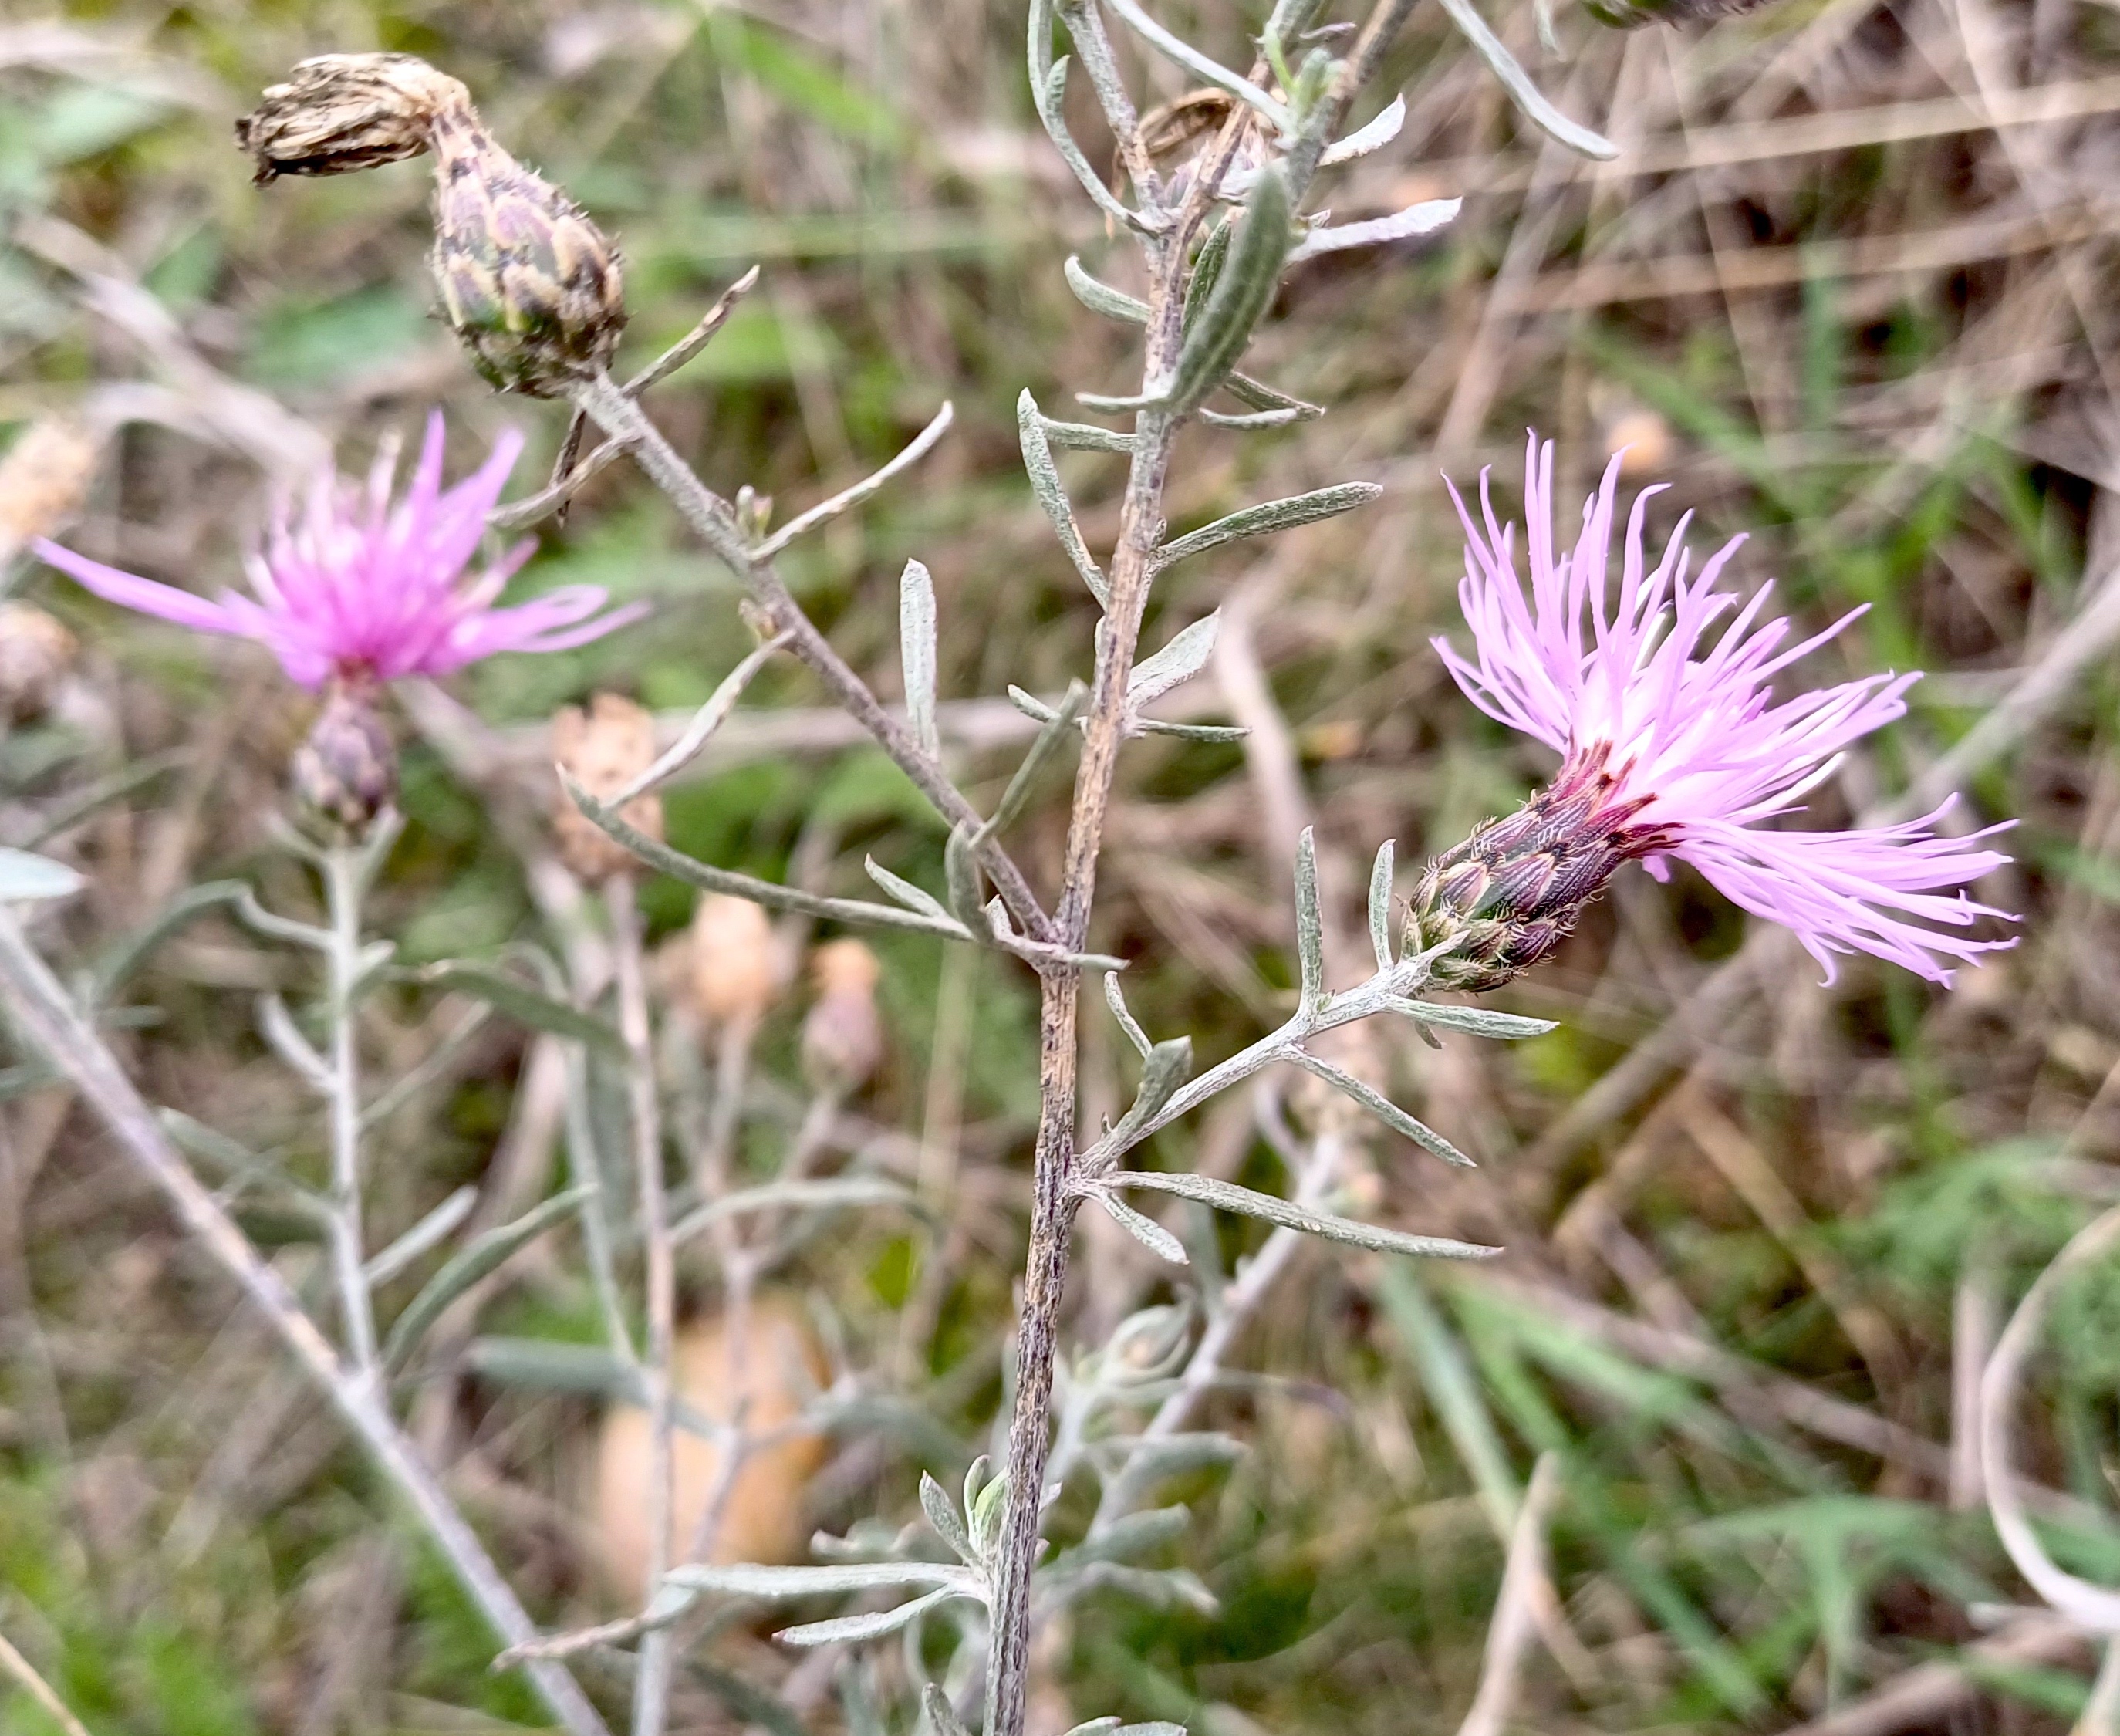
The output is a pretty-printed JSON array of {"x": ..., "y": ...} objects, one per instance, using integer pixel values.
[
  {"x": 735, "y": 974},
  {"x": 603, "y": 750},
  {"x": 843, "y": 1033},
  {"x": 43, "y": 479},
  {"x": 340, "y": 113}
]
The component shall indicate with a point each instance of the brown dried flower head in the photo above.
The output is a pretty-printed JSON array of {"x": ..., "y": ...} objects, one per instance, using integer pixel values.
[
  {"x": 36, "y": 652},
  {"x": 842, "y": 1035},
  {"x": 43, "y": 479},
  {"x": 345, "y": 773},
  {"x": 735, "y": 962},
  {"x": 603, "y": 750},
  {"x": 339, "y": 113}
]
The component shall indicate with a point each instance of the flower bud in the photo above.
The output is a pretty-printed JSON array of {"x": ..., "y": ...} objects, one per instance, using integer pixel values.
[
  {"x": 43, "y": 479},
  {"x": 603, "y": 750},
  {"x": 735, "y": 962},
  {"x": 345, "y": 773},
  {"x": 1506, "y": 897},
  {"x": 338, "y": 113},
  {"x": 529, "y": 284},
  {"x": 842, "y": 1036},
  {"x": 36, "y": 652}
]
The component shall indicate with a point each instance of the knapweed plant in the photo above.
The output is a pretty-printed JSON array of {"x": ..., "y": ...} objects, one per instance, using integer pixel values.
[{"x": 1674, "y": 706}]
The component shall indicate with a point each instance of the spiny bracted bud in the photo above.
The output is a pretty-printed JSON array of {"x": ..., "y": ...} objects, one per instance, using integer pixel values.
[
  {"x": 339, "y": 113},
  {"x": 36, "y": 652},
  {"x": 1503, "y": 900},
  {"x": 603, "y": 750},
  {"x": 530, "y": 286},
  {"x": 345, "y": 773}
]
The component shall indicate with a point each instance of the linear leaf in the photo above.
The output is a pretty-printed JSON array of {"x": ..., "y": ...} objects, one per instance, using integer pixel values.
[
  {"x": 431, "y": 1232},
  {"x": 1177, "y": 662},
  {"x": 1115, "y": 999},
  {"x": 1207, "y": 268},
  {"x": 1273, "y": 515},
  {"x": 1048, "y": 743},
  {"x": 1168, "y": 1065},
  {"x": 1240, "y": 297},
  {"x": 1518, "y": 82},
  {"x": 823, "y": 1194},
  {"x": 520, "y": 1002},
  {"x": 549, "y": 1364},
  {"x": 1479, "y": 1021},
  {"x": 1309, "y": 920},
  {"x": 1227, "y": 1196},
  {"x": 840, "y": 1629},
  {"x": 749, "y": 1580},
  {"x": 943, "y": 1515},
  {"x": 478, "y": 1257},
  {"x": 1053, "y": 496},
  {"x": 904, "y": 891},
  {"x": 916, "y": 647},
  {"x": 1383, "y": 1109},
  {"x": 26, "y": 876},
  {"x": 279, "y": 1029},
  {"x": 1085, "y": 436},
  {"x": 1380, "y": 896},
  {"x": 1100, "y": 297},
  {"x": 124, "y": 956},
  {"x": 1144, "y": 1229},
  {"x": 1400, "y": 225},
  {"x": 961, "y": 878}
]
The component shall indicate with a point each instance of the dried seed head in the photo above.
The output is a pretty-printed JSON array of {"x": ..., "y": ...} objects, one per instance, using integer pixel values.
[
  {"x": 735, "y": 961},
  {"x": 36, "y": 652},
  {"x": 1508, "y": 895},
  {"x": 338, "y": 113},
  {"x": 843, "y": 1035},
  {"x": 529, "y": 284},
  {"x": 603, "y": 750},
  {"x": 345, "y": 773},
  {"x": 43, "y": 479}
]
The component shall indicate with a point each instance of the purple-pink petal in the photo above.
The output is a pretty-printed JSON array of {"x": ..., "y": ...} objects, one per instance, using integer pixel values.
[
  {"x": 347, "y": 580},
  {"x": 1667, "y": 681}
]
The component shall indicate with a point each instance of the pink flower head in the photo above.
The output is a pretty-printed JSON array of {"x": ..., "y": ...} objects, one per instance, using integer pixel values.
[
  {"x": 362, "y": 587},
  {"x": 1662, "y": 696}
]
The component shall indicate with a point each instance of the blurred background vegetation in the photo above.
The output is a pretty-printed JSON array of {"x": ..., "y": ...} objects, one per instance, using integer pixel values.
[{"x": 1848, "y": 289}]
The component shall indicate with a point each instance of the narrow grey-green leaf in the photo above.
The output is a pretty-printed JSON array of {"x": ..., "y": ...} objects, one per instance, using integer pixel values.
[
  {"x": 29, "y": 878},
  {"x": 904, "y": 891},
  {"x": 431, "y": 1232},
  {"x": 1144, "y": 1229},
  {"x": 124, "y": 955},
  {"x": 1050, "y": 740},
  {"x": 1168, "y": 1066},
  {"x": 749, "y": 1580},
  {"x": 1401, "y": 226},
  {"x": 1176, "y": 48},
  {"x": 1192, "y": 732},
  {"x": 1227, "y": 1196},
  {"x": 948, "y": 1522},
  {"x": 660, "y": 857},
  {"x": 1177, "y": 662},
  {"x": 1518, "y": 83},
  {"x": 1053, "y": 497},
  {"x": 1383, "y": 1109},
  {"x": 1134, "y": 1533},
  {"x": 1240, "y": 297},
  {"x": 1283, "y": 418},
  {"x": 549, "y": 1364},
  {"x": 824, "y": 1193},
  {"x": 1207, "y": 270},
  {"x": 482, "y": 1255},
  {"x": 941, "y": 1714},
  {"x": 1380, "y": 896},
  {"x": 916, "y": 647},
  {"x": 1479, "y": 1021},
  {"x": 1309, "y": 920},
  {"x": 1100, "y": 297},
  {"x": 840, "y": 1629},
  {"x": 1176, "y": 1455},
  {"x": 278, "y": 1027},
  {"x": 1085, "y": 436},
  {"x": 520, "y": 1002},
  {"x": 1049, "y": 91},
  {"x": 1115, "y": 999},
  {"x": 1269, "y": 517},
  {"x": 961, "y": 878}
]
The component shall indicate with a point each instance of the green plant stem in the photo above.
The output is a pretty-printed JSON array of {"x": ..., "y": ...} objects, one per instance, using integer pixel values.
[
  {"x": 41, "y": 1009},
  {"x": 345, "y": 872},
  {"x": 651, "y": 1691}
]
